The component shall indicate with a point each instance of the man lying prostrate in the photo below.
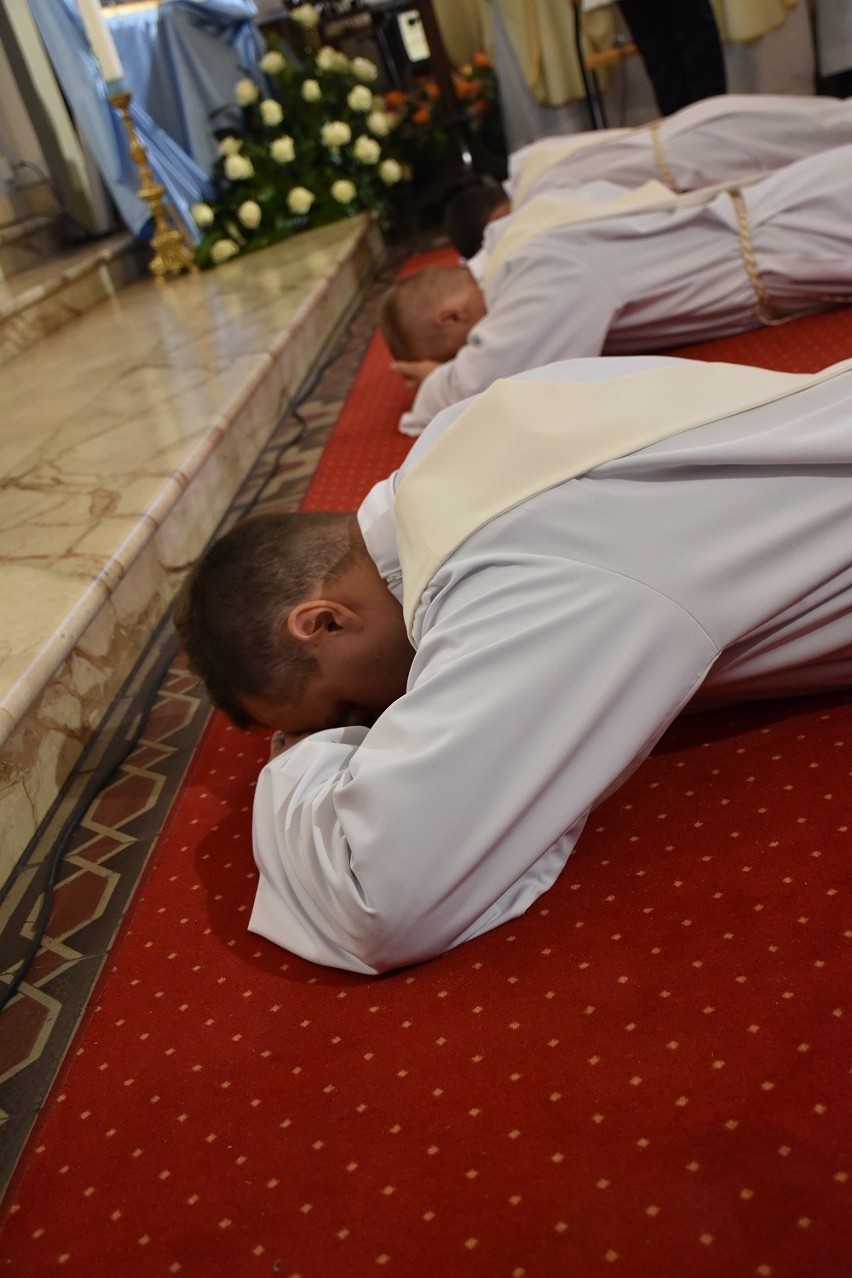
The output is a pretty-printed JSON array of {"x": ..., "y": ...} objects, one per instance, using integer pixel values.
[
  {"x": 553, "y": 634},
  {"x": 720, "y": 139},
  {"x": 623, "y": 279}
]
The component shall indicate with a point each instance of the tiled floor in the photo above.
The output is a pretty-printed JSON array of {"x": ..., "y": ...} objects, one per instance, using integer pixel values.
[{"x": 133, "y": 775}]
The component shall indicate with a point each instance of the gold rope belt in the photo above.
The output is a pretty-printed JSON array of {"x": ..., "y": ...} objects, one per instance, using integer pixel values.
[
  {"x": 763, "y": 305},
  {"x": 764, "y": 308},
  {"x": 660, "y": 157}
]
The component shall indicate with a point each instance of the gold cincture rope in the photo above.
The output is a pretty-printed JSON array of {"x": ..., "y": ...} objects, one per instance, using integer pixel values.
[
  {"x": 660, "y": 157},
  {"x": 764, "y": 308}
]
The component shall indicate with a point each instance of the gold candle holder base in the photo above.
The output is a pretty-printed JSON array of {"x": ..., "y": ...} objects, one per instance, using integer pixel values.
[{"x": 171, "y": 253}]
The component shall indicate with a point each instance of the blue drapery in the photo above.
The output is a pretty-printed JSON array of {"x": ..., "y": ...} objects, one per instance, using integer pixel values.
[{"x": 181, "y": 60}]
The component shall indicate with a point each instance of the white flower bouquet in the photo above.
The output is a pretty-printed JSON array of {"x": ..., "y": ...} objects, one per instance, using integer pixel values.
[{"x": 314, "y": 143}]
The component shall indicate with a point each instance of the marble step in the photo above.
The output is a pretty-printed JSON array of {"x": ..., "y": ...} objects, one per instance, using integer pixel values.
[
  {"x": 22, "y": 199},
  {"x": 126, "y": 435},
  {"x": 28, "y": 241},
  {"x": 59, "y": 288},
  {"x": 32, "y": 226}
]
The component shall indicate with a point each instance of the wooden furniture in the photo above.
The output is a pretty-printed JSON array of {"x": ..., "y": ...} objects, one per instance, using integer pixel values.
[
  {"x": 591, "y": 61},
  {"x": 467, "y": 158}
]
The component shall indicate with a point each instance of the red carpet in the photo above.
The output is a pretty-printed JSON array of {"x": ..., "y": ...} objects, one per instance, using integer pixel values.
[
  {"x": 648, "y": 1075},
  {"x": 801, "y": 346},
  {"x": 366, "y": 445}
]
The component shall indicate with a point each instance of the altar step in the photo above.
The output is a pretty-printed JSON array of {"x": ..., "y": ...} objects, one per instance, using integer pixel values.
[
  {"x": 127, "y": 433},
  {"x": 49, "y": 272},
  {"x": 44, "y": 286},
  {"x": 28, "y": 241}
]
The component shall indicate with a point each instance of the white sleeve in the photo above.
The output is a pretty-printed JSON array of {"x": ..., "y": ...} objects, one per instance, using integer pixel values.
[
  {"x": 548, "y": 305},
  {"x": 539, "y": 689}
]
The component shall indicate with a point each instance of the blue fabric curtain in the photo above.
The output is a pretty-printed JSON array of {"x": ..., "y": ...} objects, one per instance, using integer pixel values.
[
  {"x": 195, "y": 54},
  {"x": 181, "y": 61}
]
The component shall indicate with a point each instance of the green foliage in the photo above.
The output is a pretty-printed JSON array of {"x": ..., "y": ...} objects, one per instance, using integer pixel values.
[{"x": 313, "y": 144}]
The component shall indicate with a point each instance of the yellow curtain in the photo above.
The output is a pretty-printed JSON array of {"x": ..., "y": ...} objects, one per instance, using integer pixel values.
[
  {"x": 464, "y": 28},
  {"x": 741, "y": 21},
  {"x": 541, "y": 32},
  {"x": 542, "y": 35}
]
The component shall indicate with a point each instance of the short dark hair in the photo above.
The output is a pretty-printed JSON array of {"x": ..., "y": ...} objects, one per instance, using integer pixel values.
[
  {"x": 468, "y": 213},
  {"x": 231, "y": 611}
]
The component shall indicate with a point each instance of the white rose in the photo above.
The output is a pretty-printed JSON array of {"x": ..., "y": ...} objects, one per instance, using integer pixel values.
[
  {"x": 272, "y": 62},
  {"x": 378, "y": 122},
  {"x": 222, "y": 250},
  {"x": 364, "y": 69},
  {"x": 367, "y": 150},
  {"x": 329, "y": 59},
  {"x": 238, "y": 167},
  {"x": 250, "y": 214},
  {"x": 202, "y": 214},
  {"x": 270, "y": 112},
  {"x": 306, "y": 16},
  {"x": 229, "y": 145},
  {"x": 300, "y": 199},
  {"x": 360, "y": 98},
  {"x": 311, "y": 91},
  {"x": 390, "y": 172},
  {"x": 246, "y": 92},
  {"x": 343, "y": 191},
  {"x": 336, "y": 133},
  {"x": 282, "y": 150}
]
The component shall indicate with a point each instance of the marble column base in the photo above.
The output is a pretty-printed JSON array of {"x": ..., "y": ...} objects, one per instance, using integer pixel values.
[{"x": 128, "y": 433}]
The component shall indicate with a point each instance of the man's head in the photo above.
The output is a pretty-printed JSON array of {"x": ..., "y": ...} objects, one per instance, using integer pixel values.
[
  {"x": 468, "y": 213},
  {"x": 288, "y": 623},
  {"x": 429, "y": 314}
]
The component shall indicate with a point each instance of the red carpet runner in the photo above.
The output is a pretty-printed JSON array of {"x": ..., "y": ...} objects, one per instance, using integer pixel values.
[{"x": 648, "y": 1075}]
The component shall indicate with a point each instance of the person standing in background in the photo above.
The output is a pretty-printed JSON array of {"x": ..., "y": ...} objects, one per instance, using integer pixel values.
[
  {"x": 680, "y": 47},
  {"x": 833, "y": 41}
]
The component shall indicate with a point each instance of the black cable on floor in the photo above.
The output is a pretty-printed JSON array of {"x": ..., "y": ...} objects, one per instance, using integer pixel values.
[{"x": 99, "y": 780}]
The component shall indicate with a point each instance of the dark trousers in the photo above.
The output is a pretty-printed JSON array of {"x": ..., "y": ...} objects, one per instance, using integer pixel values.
[{"x": 680, "y": 46}]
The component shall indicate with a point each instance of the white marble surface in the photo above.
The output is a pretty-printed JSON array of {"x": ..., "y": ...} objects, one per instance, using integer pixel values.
[
  {"x": 124, "y": 437},
  {"x": 44, "y": 298}
]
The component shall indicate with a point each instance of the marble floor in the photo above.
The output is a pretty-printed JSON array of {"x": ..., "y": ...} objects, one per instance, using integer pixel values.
[
  {"x": 114, "y": 807},
  {"x": 125, "y": 436}
]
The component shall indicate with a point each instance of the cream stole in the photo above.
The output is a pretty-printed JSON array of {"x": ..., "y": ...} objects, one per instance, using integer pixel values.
[
  {"x": 521, "y": 437},
  {"x": 544, "y": 157},
  {"x": 546, "y": 212}
]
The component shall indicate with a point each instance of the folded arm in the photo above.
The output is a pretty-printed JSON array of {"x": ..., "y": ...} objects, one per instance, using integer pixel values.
[
  {"x": 536, "y": 690},
  {"x": 542, "y": 308}
]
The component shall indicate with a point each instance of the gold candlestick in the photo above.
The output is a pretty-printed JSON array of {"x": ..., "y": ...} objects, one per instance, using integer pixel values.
[{"x": 171, "y": 252}]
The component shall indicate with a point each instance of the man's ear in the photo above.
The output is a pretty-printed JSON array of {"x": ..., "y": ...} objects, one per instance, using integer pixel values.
[
  {"x": 313, "y": 619},
  {"x": 448, "y": 312}
]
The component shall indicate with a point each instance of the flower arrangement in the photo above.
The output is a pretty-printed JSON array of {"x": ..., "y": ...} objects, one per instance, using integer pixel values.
[
  {"x": 477, "y": 89},
  {"x": 315, "y": 143},
  {"x": 418, "y": 115}
]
